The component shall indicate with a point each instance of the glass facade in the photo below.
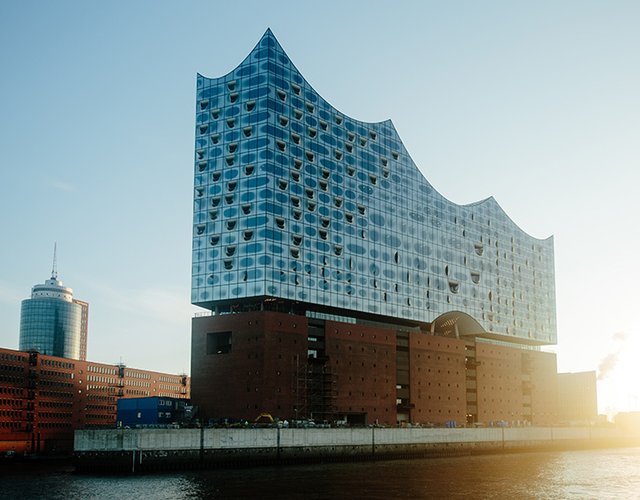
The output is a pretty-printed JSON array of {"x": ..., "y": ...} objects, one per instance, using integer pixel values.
[
  {"x": 52, "y": 322},
  {"x": 51, "y": 326},
  {"x": 297, "y": 201}
]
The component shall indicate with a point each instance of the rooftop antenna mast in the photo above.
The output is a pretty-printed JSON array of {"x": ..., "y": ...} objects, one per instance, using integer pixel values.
[{"x": 54, "y": 269}]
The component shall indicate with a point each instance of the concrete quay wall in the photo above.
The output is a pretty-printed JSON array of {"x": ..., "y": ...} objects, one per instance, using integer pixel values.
[{"x": 140, "y": 450}]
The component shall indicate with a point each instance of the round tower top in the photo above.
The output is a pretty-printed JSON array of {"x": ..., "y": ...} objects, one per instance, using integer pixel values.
[{"x": 52, "y": 288}]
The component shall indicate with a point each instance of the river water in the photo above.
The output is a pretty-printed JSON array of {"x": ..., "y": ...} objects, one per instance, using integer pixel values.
[{"x": 597, "y": 474}]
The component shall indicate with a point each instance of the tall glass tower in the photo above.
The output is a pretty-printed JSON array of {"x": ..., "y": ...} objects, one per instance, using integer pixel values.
[{"x": 52, "y": 322}]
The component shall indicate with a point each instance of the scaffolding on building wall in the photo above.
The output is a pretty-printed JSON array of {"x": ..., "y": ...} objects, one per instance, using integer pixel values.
[{"x": 314, "y": 382}]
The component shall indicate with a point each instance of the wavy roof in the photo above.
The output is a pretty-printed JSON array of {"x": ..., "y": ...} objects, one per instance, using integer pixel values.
[{"x": 271, "y": 39}]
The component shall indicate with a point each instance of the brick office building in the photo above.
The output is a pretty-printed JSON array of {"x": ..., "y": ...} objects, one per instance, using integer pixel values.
[
  {"x": 290, "y": 366},
  {"x": 43, "y": 399}
]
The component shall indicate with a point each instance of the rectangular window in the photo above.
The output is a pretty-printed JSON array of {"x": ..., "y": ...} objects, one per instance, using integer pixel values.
[{"x": 219, "y": 343}]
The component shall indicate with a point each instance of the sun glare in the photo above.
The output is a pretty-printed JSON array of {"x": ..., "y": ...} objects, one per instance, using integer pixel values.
[{"x": 617, "y": 374}]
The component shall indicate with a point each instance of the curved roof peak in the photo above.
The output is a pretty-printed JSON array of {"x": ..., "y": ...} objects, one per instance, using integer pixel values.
[
  {"x": 273, "y": 50},
  {"x": 270, "y": 54}
]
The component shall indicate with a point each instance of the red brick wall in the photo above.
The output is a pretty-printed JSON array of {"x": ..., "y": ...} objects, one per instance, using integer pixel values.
[
  {"x": 363, "y": 359},
  {"x": 544, "y": 388},
  {"x": 516, "y": 385},
  {"x": 258, "y": 375},
  {"x": 438, "y": 387},
  {"x": 268, "y": 358},
  {"x": 13, "y": 407},
  {"x": 499, "y": 383}
]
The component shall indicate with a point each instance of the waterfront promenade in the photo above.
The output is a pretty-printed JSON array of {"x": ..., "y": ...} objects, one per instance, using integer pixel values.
[{"x": 139, "y": 450}]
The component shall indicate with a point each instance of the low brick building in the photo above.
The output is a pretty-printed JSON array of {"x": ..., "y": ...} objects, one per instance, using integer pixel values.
[
  {"x": 43, "y": 399},
  {"x": 299, "y": 367}
]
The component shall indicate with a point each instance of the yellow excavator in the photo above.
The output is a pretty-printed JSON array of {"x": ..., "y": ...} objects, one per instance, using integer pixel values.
[{"x": 264, "y": 418}]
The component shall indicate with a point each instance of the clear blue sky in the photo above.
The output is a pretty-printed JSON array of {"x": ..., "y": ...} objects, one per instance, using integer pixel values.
[{"x": 535, "y": 103}]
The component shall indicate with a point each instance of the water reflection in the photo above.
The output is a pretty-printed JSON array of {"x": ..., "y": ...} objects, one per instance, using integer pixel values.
[{"x": 611, "y": 473}]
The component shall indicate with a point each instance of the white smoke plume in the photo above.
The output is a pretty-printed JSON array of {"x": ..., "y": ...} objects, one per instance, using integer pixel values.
[{"x": 609, "y": 362}]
